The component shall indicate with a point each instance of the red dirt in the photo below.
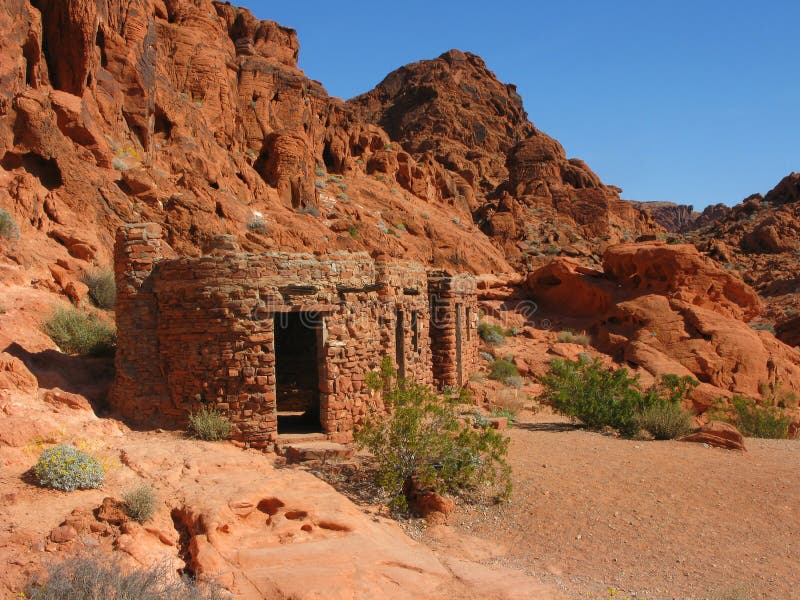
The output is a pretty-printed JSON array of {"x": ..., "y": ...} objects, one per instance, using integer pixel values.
[{"x": 591, "y": 512}]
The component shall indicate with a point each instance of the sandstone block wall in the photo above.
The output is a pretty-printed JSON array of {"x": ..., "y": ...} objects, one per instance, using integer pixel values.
[
  {"x": 200, "y": 331},
  {"x": 454, "y": 327}
]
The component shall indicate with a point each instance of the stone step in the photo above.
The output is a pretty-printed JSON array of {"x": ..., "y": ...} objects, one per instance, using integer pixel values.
[
  {"x": 300, "y": 438},
  {"x": 321, "y": 451}
]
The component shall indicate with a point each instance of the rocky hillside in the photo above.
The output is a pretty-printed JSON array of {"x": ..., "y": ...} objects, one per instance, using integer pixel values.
[
  {"x": 760, "y": 239},
  {"x": 194, "y": 114},
  {"x": 521, "y": 188}
]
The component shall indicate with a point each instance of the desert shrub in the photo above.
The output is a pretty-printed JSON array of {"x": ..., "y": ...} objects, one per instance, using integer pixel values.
[
  {"x": 774, "y": 394},
  {"x": 505, "y": 412},
  {"x": 493, "y": 335},
  {"x": 570, "y": 337},
  {"x": 383, "y": 377},
  {"x": 102, "y": 288},
  {"x": 597, "y": 396},
  {"x": 422, "y": 436},
  {"x": 90, "y": 578},
  {"x": 751, "y": 418},
  {"x": 8, "y": 228},
  {"x": 65, "y": 468},
  {"x": 763, "y": 327},
  {"x": 510, "y": 400},
  {"x": 503, "y": 370},
  {"x": 600, "y": 397},
  {"x": 209, "y": 424},
  {"x": 257, "y": 225},
  {"x": 79, "y": 332},
  {"x": 665, "y": 420},
  {"x": 140, "y": 503}
]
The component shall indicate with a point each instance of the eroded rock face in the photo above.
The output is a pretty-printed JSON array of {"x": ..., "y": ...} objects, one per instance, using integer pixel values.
[
  {"x": 667, "y": 309},
  {"x": 759, "y": 240},
  {"x": 455, "y": 117}
]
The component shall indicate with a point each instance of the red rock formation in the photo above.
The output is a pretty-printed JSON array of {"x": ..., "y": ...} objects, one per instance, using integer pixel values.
[
  {"x": 453, "y": 115},
  {"x": 667, "y": 309},
  {"x": 760, "y": 239}
]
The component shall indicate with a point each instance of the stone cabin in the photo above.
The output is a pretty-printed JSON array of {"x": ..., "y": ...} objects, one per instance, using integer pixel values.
[{"x": 279, "y": 342}]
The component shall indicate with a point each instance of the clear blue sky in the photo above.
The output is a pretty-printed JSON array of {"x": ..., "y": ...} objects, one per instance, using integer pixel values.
[{"x": 694, "y": 102}]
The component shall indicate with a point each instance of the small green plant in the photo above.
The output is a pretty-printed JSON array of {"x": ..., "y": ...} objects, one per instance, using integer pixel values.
[
  {"x": 309, "y": 210},
  {"x": 552, "y": 250},
  {"x": 665, "y": 420},
  {"x": 320, "y": 184},
  {"x": 509, "y": 414},
  {"x": 570, "y": 337},
  {"x": 66, "y": 468},
  {"x": 79, "y": 332},
  {"x": 257, "y": 225},
  {"x": 422, "y": 438},
  {"x": 504, "y": 371},
  {"x": 353, "y": 231},
  {"x": 102, "y": 288},
  {"x": 94, "y": 577},
  {"x": 383, "y": 377},
  {"x": 8, "y": 228},
  {"x": 598, "y": 396},
  {"x": 494, "y": 335},
  {"x": 140, "y": 503},
  {"x": 751, "y": 418},
  {"x": 319, "y": 171},
  {"x": 763, "y": 327},
  {"x": 209, "y": 424}
]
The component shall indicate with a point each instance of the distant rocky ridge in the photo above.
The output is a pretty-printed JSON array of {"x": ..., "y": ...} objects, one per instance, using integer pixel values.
[{"x": 681, "y": 218}]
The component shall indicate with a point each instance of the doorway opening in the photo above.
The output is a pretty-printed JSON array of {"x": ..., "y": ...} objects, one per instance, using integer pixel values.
[{"x": 297, "y": 367}]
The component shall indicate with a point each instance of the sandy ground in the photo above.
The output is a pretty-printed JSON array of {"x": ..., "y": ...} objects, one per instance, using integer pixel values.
[{"x": 650, "y": 519}]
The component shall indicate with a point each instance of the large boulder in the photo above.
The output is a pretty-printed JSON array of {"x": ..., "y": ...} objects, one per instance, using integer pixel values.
[
  {"x": 719, "y": 434},
  {"x": 667, "y": 309}
]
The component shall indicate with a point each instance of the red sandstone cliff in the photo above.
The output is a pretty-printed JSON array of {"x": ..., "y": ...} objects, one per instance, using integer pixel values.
[
  {"x": 759, "y": 239},
  {"x": 194, "y": 115}
]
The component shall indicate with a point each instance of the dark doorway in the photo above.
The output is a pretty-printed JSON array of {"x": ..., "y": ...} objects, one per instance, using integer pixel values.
[{"x": 297, "y": 372}]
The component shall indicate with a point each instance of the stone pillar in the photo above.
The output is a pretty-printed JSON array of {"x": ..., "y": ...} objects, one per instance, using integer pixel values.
[
  {"x": 139, "y": 384},
  {"x": 453, "y": 334}
]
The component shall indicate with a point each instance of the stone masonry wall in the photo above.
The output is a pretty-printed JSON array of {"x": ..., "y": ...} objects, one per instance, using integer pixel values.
[
  {"x": 454, "y": 320},
  {"x": 200, "y": 331}
]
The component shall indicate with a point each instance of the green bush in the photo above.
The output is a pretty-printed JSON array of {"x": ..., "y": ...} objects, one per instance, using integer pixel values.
[
  {"x": 79, "y": 332},
  {"x": 494, "y": 335},
  {"x": 600, "y": 397},
  {"x": 90, "y": 578},
  {"x": 8, "y": 228},
  {"x": 751, "y": 418},
  {"x": 102, "y": 288},
  {"x": 665, "y": 420},
  {"x": 503, "y": 370},
  {"x": 257, "y": 225},
  {"x": 505, "y": 412},
  {"x": 570, "y": 337},
  {"x": 422, "y": 436},
  {"x": 209, "y": 424},
  {"x": 65, "y": 468},
  {"x": 140, "y": 503}
]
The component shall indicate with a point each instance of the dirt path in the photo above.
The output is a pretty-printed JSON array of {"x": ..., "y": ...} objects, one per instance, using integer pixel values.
[{"x": 652, "y": 519}]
